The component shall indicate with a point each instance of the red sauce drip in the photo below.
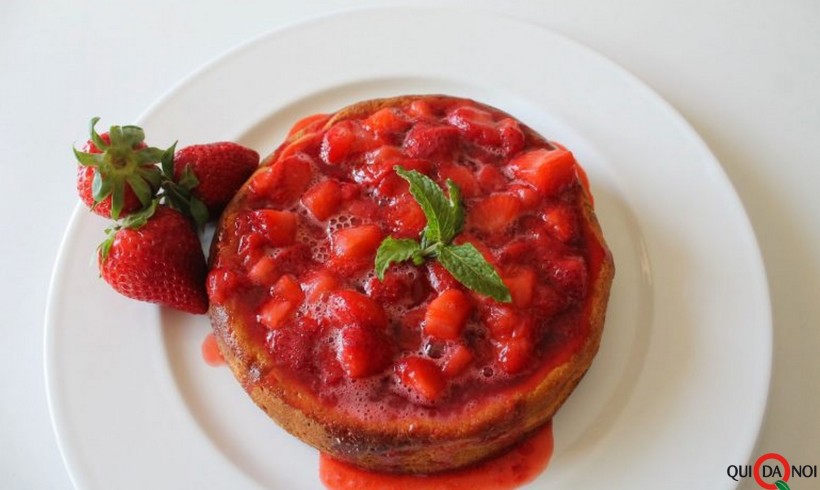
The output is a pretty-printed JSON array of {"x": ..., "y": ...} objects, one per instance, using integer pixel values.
[
  {"x": 210, "y": 351},
  {"x": 520, "y": 465}
]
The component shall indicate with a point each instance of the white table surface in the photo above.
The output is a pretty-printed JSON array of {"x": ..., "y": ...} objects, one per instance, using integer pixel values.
[{"x": 744, "y": 73}]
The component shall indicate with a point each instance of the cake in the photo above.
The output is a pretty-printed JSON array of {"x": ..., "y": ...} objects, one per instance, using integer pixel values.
[{"x": 414, "y": 372}]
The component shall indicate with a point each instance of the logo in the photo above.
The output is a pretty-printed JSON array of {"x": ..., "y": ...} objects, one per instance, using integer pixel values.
[{"x": 771, "y": 471}]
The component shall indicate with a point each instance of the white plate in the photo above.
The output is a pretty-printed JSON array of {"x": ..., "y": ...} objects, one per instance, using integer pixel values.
[{"x": 679, "y": 388}]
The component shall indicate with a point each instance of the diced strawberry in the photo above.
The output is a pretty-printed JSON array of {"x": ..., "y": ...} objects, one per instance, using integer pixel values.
[
  {"x": 427, "y": 141},
  {"x": 251, "y": 247},
  {"x": 463, "y": 178},
  {"x": 408, "y": 331},
  {"x": 475, "y": 124},
  {"x": 310, "y": 143},
  {"x": 570, "y": 274},
  {"x": 290, "y": 259},
  {"x": 288, "y": 288},
  {"x": 505, "y": 321},
  {"x": 562, "y": 222},
  {"x": 521, "y": 284},
  {"x": 323, "y": 199},
  {"x": 278, "y": 227},
  {"x": 331, "y": 370},
  {"x": 292, "y": 347},
  {"x": 490, "y": 178},
  {"x": 440, "y": 278},
  {"x": 319, "y": 284},
  {"x": 264, "y": 271},
  {"x": 512, "y": 138},
  {"x": 456, "y": 360},
  {"x": 345, "y": 139},
  {"x": 548, "y": 300},
  {"x": 550, "y": 171},
  {"x": 379, "y": 163},
  {"x": 422, "y": 376},
  {"x": 283, "y": 182},
  {"x": 356, "y": 244},
  {"x": 527, "y": 195},
  {"x": 338, "y": 143},
  {"x": 392, "y": 185},
  {"x": 308, "y": 123},
  {"x": 517, "y": 250},
  {"x": 447, "y": 315},
  {"x": 221, "y": 284},
  {"x": 495, "y": 213},
  {"x": 417, "y": 164},
  {"x": 365, "y": 209},
  {"x": 350, "y": 307},
  {"x": 275, "y": 312},
  {"x": 399, "y": 286},
  {"x": 349, "y": 191},
  {"x": 513, "y": 354},
  {"x": 405, "y": 217},
  {"x": 387, "y": 121},
  {"x": 363, "y": 352},
  {"x": 421, "y": 109},
  {"x": 287, "y": 297}
]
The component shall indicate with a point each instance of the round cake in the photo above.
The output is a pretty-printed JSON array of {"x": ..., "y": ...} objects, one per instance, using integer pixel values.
[{"x": 408, "y": 369}]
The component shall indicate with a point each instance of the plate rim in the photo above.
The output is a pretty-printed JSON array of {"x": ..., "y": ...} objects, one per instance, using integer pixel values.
[{"x": 247, "y": 45}]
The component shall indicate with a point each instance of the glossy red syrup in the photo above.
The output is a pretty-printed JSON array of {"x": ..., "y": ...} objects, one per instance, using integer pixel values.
[
  {"x": 520, "y": 465},
  {"x": 210, "y": 351}
]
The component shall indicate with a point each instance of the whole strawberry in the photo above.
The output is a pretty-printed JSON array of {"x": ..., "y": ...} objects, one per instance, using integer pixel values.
[
  {"x": 155, "y": 256},
  {"x": 117, "y": 174},
  {"x": 220, "y": 170}
]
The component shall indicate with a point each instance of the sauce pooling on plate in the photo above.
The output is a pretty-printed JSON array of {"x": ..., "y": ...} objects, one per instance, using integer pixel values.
[{"x": 520, "y": 465}]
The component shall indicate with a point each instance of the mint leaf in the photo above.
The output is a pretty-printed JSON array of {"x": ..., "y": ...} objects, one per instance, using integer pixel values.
[
  {"x": 445, "y": 218},
  {"x": 444, "y": 215},
  {"x": 453, "y": 219},
  {"x": 470, "y": 268},
  {"x": 392, "y": 250}
]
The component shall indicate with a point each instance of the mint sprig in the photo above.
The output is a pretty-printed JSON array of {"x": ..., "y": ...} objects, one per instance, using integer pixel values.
[{"x": 445, "y": 219}]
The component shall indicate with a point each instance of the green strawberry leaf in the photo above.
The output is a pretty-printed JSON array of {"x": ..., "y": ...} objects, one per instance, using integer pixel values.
[
  {"x": 392, "y": 250},
  {"x": 138, "y": 219},
  {"x": 100, "y": 186},
  {"x": 188, "y": 178},
  {"x": 95, "y": 136},
  {"x": 88, "y": 159},
  {"x": 117, "y": 199},
  {"x": 132, "y": 135},
  {"x": 199, "y": 212},
  {"x": 442, "y": 213},
  {"x": 167, "y": 162},
  {"x": 141, "y": 188},
  {"x": 152, "y": 175},
  {"x": 781, "y": 485},
  {"x": 470, "y": 268}
]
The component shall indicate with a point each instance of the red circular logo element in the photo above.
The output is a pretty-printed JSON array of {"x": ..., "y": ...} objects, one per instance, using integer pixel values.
[{"x": 786, "y": 470}]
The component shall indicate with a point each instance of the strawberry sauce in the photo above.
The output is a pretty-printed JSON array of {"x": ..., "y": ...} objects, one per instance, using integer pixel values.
[
  {"x": 520, "y": 465},
  {"x": 298, "y": 258},
  {"x": 210, "y": 351}
]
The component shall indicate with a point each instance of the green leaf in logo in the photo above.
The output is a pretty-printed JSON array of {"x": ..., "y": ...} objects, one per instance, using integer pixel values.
[{"x": 781, "y": 485}]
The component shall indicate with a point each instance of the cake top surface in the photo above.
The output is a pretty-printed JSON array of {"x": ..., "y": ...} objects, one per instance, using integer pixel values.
[{"x": 294, "y": 266}]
